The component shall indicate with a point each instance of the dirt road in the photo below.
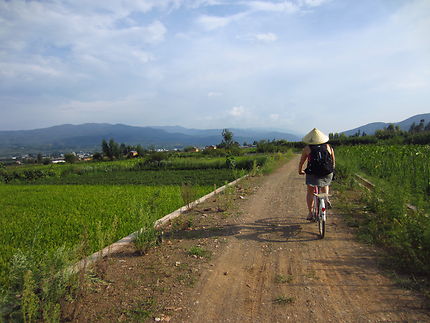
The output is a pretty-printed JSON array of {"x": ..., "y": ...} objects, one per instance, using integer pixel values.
[
  {"x": 276, "y": 269},
  {"x": 267, "y": 264}
]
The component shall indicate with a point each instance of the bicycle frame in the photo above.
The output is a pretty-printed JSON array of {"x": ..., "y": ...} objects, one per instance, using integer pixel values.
[{"x": 319, "y": 210}]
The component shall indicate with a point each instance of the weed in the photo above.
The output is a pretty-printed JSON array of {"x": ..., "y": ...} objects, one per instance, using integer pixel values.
[
  {"x": 30, "y": 301},
  {"x": 311, "y": 274},
  {"x": 146, "y": 238},
  {"x": 281, "y": 279},
  {"x": 187, "y": 279},
  {"x": 182, "y": 223},
  {"x": 188, "y": 194},
  {"x": 142, "y": 310},
  {"x": 199, "y": 252},
  {"x": 39, "y": 281},
  {"x": 283, "y": 300}
]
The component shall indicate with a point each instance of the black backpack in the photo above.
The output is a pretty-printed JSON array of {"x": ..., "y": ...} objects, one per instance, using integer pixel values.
[{"x": 320, "y": 162}]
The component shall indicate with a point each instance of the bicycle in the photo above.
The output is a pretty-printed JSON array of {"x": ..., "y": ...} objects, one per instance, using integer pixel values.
[{"x": 319, "y": 210}]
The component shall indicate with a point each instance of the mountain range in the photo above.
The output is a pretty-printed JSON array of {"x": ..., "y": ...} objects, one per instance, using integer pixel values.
[
  {"x": 88, "y": 137},
  {"x": 370, "y": 128}
]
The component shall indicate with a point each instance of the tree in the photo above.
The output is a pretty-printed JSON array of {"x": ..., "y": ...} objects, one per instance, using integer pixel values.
[
  {"x": 140, "y": 150},
  {"x": 111, "y": 149},
  {"x": 227, "y": 140},
  {"x": 97, "y": 156},
  {"x": 70, "y": 158}
]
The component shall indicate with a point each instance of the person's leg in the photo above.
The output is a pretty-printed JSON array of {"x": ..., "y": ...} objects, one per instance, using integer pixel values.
[
  {"x": 325, "y": 189},
  {"x": 310, "y": 198}
]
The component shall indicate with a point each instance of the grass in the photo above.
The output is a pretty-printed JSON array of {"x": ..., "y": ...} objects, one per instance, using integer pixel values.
[
  {"x": 199, "y": 252},
  {"x": 146, "y": 238},
  {"x": 283, "y": 300},
  {"x": 142, "y": 310},
  {"x": 381, "y": 217},
  {"x": 40, "y": 218},
  {"x": 282, "y": 279},
  {"x": 146, "y": 177}
]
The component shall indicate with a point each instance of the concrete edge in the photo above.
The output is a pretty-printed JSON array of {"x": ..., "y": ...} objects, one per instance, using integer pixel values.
[{"x": 117, "y": 246}]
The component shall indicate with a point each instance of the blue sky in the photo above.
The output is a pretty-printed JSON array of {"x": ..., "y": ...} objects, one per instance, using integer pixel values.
[{"x": 290, "y": 65}]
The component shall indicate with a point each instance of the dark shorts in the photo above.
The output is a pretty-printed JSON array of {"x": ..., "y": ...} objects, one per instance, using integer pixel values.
[{"x": 319, "y": 180}]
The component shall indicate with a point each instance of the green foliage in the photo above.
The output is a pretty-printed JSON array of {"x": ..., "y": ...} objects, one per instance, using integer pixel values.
[
  {"x": 30, "y": 302},
  {"x": 199, "y": 252},
  {"x": 405, "y": 233},
  {"x": 146, "y": 238},
  {"x": 230, "y": 162},
  {"x": 147, "y": 178},
  {"x": 283, "y": 300},
  {"x": 97, "y": 156},
  {"x": 36, "y": 282},
  {"x": 267, "y": 146},
  {"x": 111, "y": 149},
  {"x": 70, "y": 158},
  {"x": 228, "y": 143},
  {"x": 110, "y": 172},
  {"x": 405, "y": 167},
  {"x": 188, "y": 193},
  {"x": 38, "y": 218},
  {"x": 402, "y": 176}
]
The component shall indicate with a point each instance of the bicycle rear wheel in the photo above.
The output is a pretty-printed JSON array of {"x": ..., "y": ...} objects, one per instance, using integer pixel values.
[{"x": 321, "y": 218}]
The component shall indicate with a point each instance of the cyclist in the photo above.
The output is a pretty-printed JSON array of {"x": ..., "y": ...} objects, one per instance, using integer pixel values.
[{"x": 320, "y": 165}]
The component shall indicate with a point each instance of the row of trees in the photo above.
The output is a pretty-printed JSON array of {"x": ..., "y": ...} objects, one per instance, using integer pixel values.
[
  {"x": 392, "y": 134},
  {"x": 113, "y": 150}
]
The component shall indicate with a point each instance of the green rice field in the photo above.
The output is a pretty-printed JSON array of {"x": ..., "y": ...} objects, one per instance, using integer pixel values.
[{"x": 38, "y": 218}]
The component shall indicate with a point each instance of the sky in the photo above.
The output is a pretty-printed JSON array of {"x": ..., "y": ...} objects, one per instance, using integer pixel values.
[{"x": 287, "y": 65}]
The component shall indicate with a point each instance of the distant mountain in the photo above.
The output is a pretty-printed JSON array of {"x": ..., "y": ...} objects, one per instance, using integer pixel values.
[
  {"x": 67, "y": 137},
  {"x": 255, "y": 133},
  {"x": 404, "y": 125}
]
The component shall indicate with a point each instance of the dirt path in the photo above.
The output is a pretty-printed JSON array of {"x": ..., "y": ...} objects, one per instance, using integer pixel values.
[
  {"x": 275, "y": 269},
  {"x": 267, "y": 264}
]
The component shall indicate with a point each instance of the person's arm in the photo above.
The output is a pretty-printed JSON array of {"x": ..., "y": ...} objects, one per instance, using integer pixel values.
[
  {"x": 303, "y": 158},
  {"x": 332, "y": 156}
]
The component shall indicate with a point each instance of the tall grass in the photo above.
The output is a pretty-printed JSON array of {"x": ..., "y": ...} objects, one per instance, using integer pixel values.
[
  {"x": 401, "y": 175},
  {"x": 407, "y": 167}
]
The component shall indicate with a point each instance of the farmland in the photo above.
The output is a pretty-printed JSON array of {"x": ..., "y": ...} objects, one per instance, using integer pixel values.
[
  {"x": 45, "y": 207},
  {"x": 404, "y": 167}
]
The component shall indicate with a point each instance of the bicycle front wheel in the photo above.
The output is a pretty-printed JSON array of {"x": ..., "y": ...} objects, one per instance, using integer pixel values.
[
  {"x": 321, "y": 218},
  {"x": 321, "y": 227}
]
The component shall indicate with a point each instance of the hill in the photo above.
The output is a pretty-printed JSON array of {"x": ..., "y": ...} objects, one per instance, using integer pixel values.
[
  {"x": 370, "y": 128},
  {"x": 68, "y": 137}
]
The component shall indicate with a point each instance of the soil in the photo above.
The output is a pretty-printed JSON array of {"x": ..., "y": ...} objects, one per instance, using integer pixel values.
[{"x": 249, "y": 256}]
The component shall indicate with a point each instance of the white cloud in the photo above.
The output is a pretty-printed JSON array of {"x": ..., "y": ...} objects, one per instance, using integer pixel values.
[
  {"x": 284, "y": 6},
  {"x": 214, "y": 94},
  {"x": 313, "y": 3},
  {"x": 214, "y": 22},
  {"x": 274, "y": 117},
  {"x": 266, "y": 37},
  {"x": 237, "y": 111}
]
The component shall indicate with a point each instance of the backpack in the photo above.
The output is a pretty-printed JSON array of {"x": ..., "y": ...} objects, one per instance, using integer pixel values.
[{"x": 320, "y": 161}]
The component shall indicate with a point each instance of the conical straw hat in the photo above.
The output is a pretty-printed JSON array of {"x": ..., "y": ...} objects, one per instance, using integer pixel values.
[{"x": 315, "y": 137}]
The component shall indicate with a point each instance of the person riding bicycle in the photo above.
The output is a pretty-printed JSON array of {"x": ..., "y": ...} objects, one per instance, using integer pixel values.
[{"x": 320, "y": 165}]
